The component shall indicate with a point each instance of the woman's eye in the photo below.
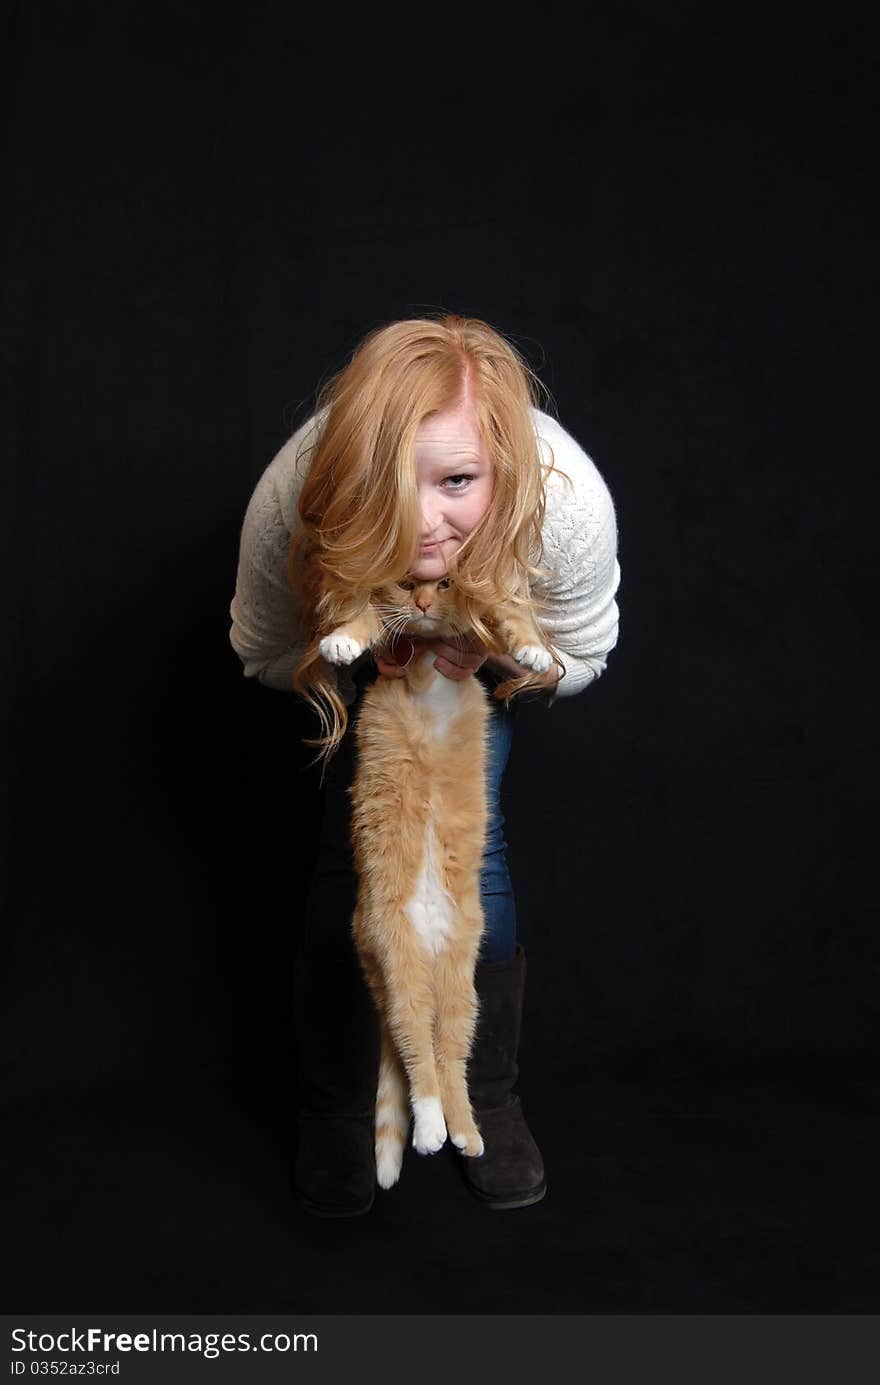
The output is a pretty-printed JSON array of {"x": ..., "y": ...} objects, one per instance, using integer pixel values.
[{"x": 462, "y": 477}]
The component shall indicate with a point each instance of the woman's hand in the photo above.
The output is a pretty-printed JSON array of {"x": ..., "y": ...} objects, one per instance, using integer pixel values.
[
  {"x": 393, "y": 661},
  {"x": 460, "y": 659},
  {"x": 454, "y": 660}
]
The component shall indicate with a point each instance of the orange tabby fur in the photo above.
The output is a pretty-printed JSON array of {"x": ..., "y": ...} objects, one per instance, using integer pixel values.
[{"x": 419, "y": 800}]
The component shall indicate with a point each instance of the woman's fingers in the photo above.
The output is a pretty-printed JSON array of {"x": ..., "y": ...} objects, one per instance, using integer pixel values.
[
  {"x": 388, "y": 669},
  {"x": 458, "y": 660},
  {"x": 394, "y": 661},
  {"x": 454, "y": 671}
]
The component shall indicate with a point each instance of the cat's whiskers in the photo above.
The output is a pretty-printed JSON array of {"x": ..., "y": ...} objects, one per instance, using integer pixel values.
[
  {"x": 398, "y": 621},
  {"x": 395, "y": 629},
  {"x": 457, "y": 637},
  {"x": 390, "y": 614}
]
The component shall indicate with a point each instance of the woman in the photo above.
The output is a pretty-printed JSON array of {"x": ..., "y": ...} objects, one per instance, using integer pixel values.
[{"x": 427, "y": 454}]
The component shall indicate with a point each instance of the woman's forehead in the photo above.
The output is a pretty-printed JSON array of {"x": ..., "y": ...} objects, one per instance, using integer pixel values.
[
  {"x": 441, "y": 452},
  {"x": 456, "y": 421},
  {"x": 450, "y": 435}
]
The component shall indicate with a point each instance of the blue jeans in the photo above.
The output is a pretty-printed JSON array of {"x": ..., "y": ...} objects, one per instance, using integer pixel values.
[
  {"x": 334, "y": 886},
  {"x": 499, "y": 907}
]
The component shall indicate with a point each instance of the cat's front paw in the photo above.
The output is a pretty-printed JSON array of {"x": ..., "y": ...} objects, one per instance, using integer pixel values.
[
  {"x": 429, "y": 1129},
  {"x": 535, "y": 657},
  {"x": 340, "y": 649}
]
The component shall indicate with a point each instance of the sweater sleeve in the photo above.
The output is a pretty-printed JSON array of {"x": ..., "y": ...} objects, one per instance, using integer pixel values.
[
  {"x": 577, "y": 603},
  {"x": 265, "y": 630}
]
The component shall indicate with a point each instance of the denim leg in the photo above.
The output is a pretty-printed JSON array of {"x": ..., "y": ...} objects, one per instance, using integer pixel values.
[{"x": 498, "y": 943}]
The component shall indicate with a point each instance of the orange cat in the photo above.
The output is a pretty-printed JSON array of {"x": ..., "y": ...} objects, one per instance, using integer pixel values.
[{"x": 418, "y": 832}]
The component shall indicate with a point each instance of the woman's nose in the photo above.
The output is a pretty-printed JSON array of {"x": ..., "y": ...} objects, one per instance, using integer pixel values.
[{"x": 431, "y": 520}]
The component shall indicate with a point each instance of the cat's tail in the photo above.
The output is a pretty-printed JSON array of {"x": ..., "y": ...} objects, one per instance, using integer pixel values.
[{"x": 392, "y": 1113}]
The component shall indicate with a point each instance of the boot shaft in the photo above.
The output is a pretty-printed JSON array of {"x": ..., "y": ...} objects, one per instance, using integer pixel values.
[{"x": 493, "y": 1067}]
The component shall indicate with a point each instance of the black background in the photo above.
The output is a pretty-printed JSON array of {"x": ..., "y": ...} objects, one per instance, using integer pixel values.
[{"x": 665, "y": 207}]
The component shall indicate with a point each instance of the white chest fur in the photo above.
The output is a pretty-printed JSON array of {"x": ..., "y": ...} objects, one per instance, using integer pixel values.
[
  {"x": 430, "y": 908},
  {"x": 440, "y": 698}
]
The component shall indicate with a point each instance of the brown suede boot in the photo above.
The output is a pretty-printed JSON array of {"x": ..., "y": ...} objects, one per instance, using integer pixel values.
[
  {"x": 510, "y": 1173},
  {"x": 337, "y": 1028},
  {"x": 335, "y": 1166}
]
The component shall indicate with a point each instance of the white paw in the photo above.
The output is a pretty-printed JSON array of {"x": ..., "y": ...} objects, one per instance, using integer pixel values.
[
  {"x": 339, "y": 649},
  {"x": 533, "y": 656},
  {"x": 429, "y": 1132},
  {"x": 388, "y": 1165},
  {"x": 461, "y": 1142}
]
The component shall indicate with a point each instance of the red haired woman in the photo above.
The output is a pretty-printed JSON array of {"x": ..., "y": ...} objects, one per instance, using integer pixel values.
[{"x": 426, "y": 455}]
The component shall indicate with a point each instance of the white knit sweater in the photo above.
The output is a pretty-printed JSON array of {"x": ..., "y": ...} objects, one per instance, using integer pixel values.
[{"x": 576, "y": 604}]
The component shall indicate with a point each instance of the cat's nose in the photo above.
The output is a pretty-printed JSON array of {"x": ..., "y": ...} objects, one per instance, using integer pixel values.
[{"x": 424, "y": 603}]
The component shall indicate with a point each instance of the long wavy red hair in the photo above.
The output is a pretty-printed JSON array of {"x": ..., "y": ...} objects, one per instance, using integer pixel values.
[{"x": 358, "y": 507}]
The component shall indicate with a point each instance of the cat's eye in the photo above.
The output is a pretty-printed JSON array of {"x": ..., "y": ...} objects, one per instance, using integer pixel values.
[
  {"x": 406, "y": 586},
  {"x": 444, "y": 583}
]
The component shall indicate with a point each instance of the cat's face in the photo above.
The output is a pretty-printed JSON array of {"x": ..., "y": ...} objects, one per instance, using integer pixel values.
[{"x": 425, "y": 608}]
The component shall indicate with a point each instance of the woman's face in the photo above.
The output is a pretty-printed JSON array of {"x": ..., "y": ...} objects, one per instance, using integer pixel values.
[{"x": 454, "y": 481}]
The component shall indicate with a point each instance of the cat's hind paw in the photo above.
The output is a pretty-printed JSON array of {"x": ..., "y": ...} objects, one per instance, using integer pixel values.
[
  {"x": 389, "y": 1162},
  {"x": 429, "y": 1130},
  {"x": 535, "y": 657},
  {"x": 469, "y": 1143},
  {"x": 340, "y": 649}
]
